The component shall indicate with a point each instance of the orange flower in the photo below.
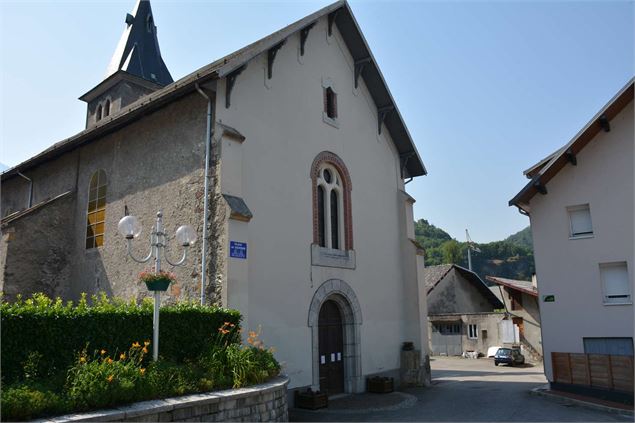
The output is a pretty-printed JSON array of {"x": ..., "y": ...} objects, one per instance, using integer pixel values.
[
  {"x": 252, "y": 334},
  {"x": 102, "y": 352},
  {"x": 135, "y": 345},
  {"x": 145, "y": 350},
  {"x": 146, "y": 343},
  {"x": 250, "y": 341},
  {"x": 226, "y": 324},
  {"x": 142, "y": 371},
  {"x": 109, "y": 360},
  {"x": 109, "y": 378},
  {"x": 82, "y": 359},
  {"x": 122, "y": 356}
]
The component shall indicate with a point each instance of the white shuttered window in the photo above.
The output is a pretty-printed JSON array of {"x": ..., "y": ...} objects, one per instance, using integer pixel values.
[
  {"x": 615, "y": 283},
  {"x": 580, "y": 220}
]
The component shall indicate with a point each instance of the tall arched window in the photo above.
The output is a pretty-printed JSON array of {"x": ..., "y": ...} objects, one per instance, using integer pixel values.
[
  {"x": 96, "y": 210},
  {"x": 107, "y": 108},
  {"x": 98, "y": 116},
  {"x": 332, "y": 221}
]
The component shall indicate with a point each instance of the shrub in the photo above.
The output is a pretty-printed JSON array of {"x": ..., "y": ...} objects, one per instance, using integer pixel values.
[
  {"x": 23, "y": 402},
  {"x": 41, "y": 327}
]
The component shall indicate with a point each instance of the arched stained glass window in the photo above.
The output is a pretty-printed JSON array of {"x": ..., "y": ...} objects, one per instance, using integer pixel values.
[{"x": 96, "y": 210}]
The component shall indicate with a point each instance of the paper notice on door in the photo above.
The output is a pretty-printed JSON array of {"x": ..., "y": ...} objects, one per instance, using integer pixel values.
[
  {"x": 339, "y": 356},
  {"x": 322, "y": 359},
  {"x": 332, "y": 357}
]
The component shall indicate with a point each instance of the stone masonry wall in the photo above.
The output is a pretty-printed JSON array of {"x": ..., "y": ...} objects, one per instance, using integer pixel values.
[{"x": 259, "y": 403}]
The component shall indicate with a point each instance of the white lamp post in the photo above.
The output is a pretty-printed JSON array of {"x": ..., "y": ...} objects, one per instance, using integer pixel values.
[{"x": 130, "y": 228}]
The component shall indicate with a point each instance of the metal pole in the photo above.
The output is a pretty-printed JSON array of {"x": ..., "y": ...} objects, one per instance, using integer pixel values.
[
  {"x": 157, "y": 294},
  {"x": 469, "y": 257},
  {"x": 208, "y": 147}
]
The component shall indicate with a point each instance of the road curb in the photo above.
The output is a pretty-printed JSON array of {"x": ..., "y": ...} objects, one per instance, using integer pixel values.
[{"x": 543, "y": 391}]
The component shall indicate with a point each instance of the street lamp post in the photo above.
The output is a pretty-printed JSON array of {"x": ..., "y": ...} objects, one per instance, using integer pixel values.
[{"x": 130, "y": 228}]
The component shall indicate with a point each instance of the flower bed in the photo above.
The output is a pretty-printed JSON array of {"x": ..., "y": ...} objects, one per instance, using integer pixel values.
[{"x": 99, "y": 376}]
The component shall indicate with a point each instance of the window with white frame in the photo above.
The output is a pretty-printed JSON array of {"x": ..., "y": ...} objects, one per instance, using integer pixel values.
[
  {"x": 472, "y": 331},
  {"x": 580, "y": 224},
  {"x": 330, "y": 208},
  {"x": 615, "y": 283}
]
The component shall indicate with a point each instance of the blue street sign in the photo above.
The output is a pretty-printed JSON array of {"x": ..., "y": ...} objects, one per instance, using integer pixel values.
[{"x": 238, "y": 249}]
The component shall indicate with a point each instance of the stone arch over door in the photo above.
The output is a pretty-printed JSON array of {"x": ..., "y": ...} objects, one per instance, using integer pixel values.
[{"x": 343, "y": 295}]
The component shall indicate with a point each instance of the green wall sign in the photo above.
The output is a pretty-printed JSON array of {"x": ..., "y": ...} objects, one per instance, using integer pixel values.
[{"x": 549, "y": 298}]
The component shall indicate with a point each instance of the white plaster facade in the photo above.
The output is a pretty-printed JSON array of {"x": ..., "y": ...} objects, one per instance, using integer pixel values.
[
  {"x": 569, "y": 267},
  {"x": 282, "y": 121}
]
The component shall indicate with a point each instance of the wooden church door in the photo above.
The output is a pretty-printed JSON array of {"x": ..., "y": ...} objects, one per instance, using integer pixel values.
[{"x": 331, "y": 349}]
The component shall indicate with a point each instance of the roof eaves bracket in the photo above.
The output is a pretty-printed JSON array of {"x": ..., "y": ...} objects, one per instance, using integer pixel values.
[
  {"x": 359, "y": 67},
  {"x": 404, "y": 161},
  {"x": 540, "y": 187},
  {"x": 382, "y": 112},
  {"x": 604, "y": 123},
  {"x": 231, "y": 80},
  {"x": 271, "y": 56},
  {"x": 571, "y": 157},
  {"x": 304, "y": 34},
  {"x": 331, "y": 20}
]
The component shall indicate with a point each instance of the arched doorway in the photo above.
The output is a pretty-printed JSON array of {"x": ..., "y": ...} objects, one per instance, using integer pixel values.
[
  {"x": 331, "y": 348},
  {"x": 337, "y": 293}
]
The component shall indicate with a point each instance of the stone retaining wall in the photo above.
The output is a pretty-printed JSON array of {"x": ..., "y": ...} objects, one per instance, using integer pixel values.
[{"x": 258, "y": 403}]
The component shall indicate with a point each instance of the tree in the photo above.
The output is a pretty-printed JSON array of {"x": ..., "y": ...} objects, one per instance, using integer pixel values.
[{"x": 451, "y": 252}]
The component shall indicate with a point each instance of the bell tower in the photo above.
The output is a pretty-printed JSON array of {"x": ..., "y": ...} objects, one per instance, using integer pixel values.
[{"x": 135, "y": 70}]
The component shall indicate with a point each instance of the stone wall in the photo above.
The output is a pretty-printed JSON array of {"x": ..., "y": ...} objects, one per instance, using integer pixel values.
[
  {"x": 258, "y": 403},
  {"x": 34, "y": 249},
  {"x": 154, "y": 163}
]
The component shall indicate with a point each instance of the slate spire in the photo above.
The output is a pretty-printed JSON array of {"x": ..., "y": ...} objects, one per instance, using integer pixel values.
[{"x": 138, "y": 50}]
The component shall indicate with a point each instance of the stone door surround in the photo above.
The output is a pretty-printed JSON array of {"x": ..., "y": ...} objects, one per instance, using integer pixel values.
[{"x": 343, "y": 295}]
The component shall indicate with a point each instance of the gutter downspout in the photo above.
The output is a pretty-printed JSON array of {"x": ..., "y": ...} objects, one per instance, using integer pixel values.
[
  {"x": 30, "y": 189},
  {"x": 208, "y": 141}
]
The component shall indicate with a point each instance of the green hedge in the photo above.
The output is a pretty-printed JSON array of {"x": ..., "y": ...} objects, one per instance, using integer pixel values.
[{"x": 57, "y": 330}]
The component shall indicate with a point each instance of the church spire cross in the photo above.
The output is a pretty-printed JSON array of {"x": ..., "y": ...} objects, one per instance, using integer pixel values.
[{"x": 138, "y": 50}]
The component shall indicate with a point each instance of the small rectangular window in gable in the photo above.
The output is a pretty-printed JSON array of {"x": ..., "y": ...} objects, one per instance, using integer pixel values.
[
  {"x": 580, "y": 221},
  {"x": 615, "y": 283},
  {"x": 330, "y": 103}
]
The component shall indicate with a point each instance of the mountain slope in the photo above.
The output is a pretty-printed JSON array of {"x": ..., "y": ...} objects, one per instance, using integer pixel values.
[{"x": 510, "y": 258}]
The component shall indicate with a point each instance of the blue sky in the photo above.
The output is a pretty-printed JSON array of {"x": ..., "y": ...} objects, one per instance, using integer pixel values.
[{"x": 486, "y": 88}]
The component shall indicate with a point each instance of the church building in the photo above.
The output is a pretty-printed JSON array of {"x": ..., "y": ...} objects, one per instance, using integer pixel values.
[{"x": 289, "y": 157}]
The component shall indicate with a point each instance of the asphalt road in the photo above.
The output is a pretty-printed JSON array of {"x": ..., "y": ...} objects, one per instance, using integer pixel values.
[{"x": 466, "y": 390}]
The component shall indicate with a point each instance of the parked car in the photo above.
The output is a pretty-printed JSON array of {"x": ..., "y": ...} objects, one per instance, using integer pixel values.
[{"x": 509, "y": 356}]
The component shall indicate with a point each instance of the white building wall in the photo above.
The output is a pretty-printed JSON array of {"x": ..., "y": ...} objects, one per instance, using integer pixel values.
[
  {"x": 569, "y": 268},
  {"x": 282, "y": 121}
]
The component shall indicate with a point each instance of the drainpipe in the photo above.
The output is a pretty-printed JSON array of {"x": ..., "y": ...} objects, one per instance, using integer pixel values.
[
  {"x": 208, "y": 141},
  {"x": 30, "y": 189}
]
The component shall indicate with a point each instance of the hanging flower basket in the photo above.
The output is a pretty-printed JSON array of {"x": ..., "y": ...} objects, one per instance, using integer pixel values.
[{"x": 157, "y": 281}]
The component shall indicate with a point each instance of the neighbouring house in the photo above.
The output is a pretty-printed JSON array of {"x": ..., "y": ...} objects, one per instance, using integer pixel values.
[
  {"x": 580, "y": 205},
  {"x": 521, "y": 304},
  {"x": 464, "y": 314},
  {"x": 310, "y": 230}
]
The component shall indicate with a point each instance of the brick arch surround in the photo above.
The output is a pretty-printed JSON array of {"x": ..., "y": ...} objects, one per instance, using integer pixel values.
[
  {"x": 343, "y": 295},
  {"x": 335, "y": 161}
]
